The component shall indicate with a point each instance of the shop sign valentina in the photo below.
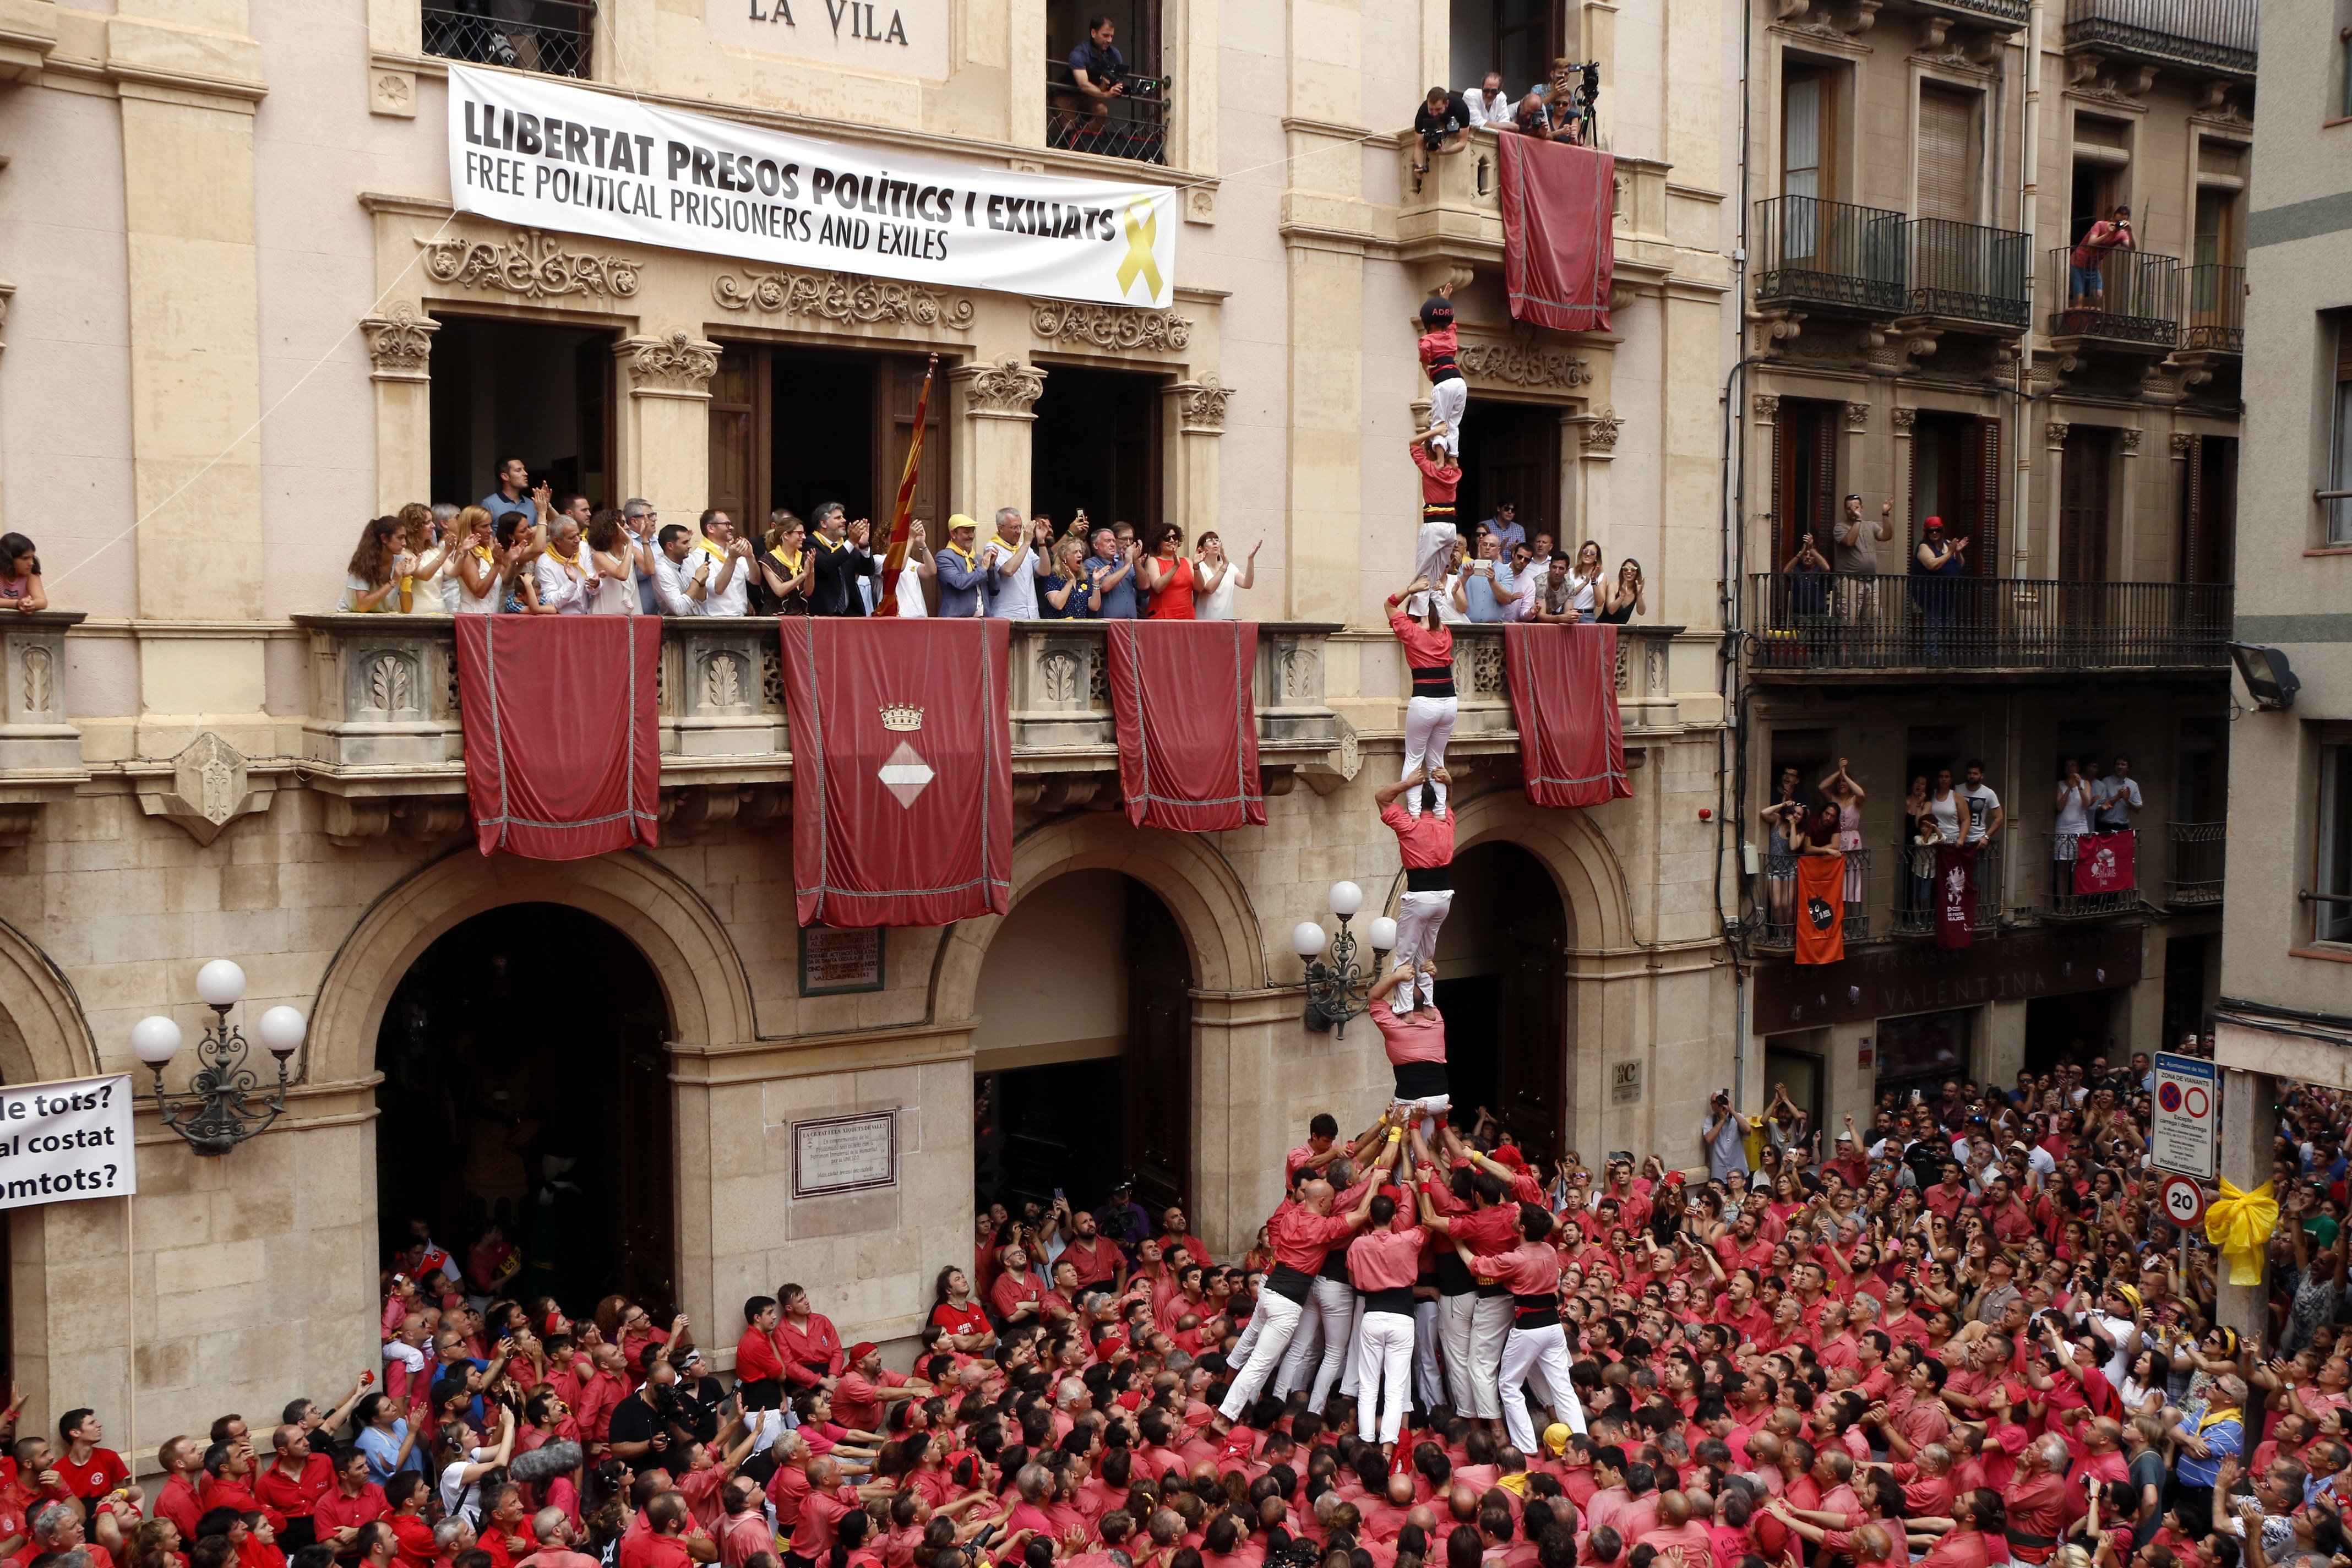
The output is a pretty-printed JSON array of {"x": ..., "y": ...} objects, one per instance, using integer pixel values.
[{"x": 543, "y": 155}]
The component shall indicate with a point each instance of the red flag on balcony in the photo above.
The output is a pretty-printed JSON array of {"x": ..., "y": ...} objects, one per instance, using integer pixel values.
[
  {"x": 1820, "y": 909},
  {"x": 2103, "y": 863},
  {"x": 1563, "y": 684},
  {"x": 902, "y": 769},
  {"x": 562, "y": 757},
  {"x": 902, "y": 516},
  {"x": 1956, "y": 895},
  {"x": 1187, "y": 724},
  {"x": 1558, "y": 215}
]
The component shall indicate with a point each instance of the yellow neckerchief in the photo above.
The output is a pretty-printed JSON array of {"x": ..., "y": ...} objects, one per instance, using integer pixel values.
[
  {"x": 569, "y": 562},
  {"x": 831, "y": 546},
  {"x": 790, "y": 564},
  {"x": 483, "y": 554},
  {"x": 716, "y": 551},
  {"x": 2215, "y": 1417},
  {"x": 970, "y": 561}
]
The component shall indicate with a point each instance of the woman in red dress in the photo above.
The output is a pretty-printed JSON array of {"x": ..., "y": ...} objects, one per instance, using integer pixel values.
[{"x": 1168, "y": 577}]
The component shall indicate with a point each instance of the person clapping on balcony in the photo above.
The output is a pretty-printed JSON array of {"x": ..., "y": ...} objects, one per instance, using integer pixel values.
[
  {"x": 20, "y": 575},
  {"x": 562, "y": 581},
  {"x": 371, "y": 581},
  {"x": 614, "y": 565},
  {"x": 787, "y": 567},
  {"x": 481, "y": 566},
  {"x": 1069, "y": 594},
  {"x": 1217, "y": 576},
  {"x": 841, "y": 561}
]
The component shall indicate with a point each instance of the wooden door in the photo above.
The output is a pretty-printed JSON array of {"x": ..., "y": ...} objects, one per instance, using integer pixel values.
[
  {"x": 2083, "y": 497},
  {"x": 1804, "y": 477},
  {"x": 1511, "y": 453},
  {"x": 2208, "y": 495},
  {"x": 1159, "y": 1052},
  {"x": 900, "y": 378},
  {"x": 739, "y": 438},
  {"x": 1981, "y": 494}
]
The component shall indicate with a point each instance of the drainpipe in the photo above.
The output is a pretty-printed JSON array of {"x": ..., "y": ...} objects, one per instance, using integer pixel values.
[{"x": 2029, "y": 153}]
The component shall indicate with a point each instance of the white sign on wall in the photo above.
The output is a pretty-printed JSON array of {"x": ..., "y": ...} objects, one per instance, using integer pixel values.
[
  {"x": 844, "y": 1154},
  {"x": 61, "y": 1142},
  {"x": 906, "y": 37},
  {"x": 534, "y": 152},
  {"x": 2184, "y": 1127}
]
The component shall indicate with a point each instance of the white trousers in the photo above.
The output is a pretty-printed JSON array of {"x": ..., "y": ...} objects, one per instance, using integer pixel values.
[
  {"x": 1539, "y": 1356},
  {"x": 1275, "y": 1319},
  {"x": 1448, "y": 400},
  {"x": 1429, "y": 1373},
  {"x": 1348, "y": 1383},
  {"x": 1490, "y": 1326},
  {"x": 1433, "y": 557},
  {"x": 1457, "y": 1330},
  {"x": 1383, "y": 1368},
  {"x": 1320, "y": 1349},
  {"x": 1419, "y": 917},
  {"x": 1428, "y": 725}
]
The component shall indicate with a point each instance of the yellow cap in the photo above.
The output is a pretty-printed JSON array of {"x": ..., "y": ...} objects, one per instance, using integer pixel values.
[
  {"x": 1555, "y": 1438},
  {"x": 960, "y": 521}
]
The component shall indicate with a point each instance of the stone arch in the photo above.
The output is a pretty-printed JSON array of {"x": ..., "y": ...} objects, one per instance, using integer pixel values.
[
  {"x": 1210, "y": 906},
  {"x": 1584, "y": 867},
  {"x": 702, "y": 977},
  {"x": 44, "y": 1034}
]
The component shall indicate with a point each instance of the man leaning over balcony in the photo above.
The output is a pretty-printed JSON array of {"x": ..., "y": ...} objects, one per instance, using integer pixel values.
[
  {"x": 1443, "y": 123},
  {"x": 1488, "y": 103}
]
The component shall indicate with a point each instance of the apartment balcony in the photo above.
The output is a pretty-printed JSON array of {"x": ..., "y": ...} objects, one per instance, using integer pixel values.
[
  {"x": 2200, "y": 859},
  {"x": 2087, "y": 881},
  {"x": 2205, "y": 37},
  {"x": 1911, "y": 897},
  {"x": 1485, "y": 723},
  {"x": 555, "y": 38},
  {"x": 1809, "y": 630},
  {"x": 384, "y": 743},
  {"x": 41, "y": 748},
  {"x": 1778, "y": 909},
  {"x": 2216, "y": 322},
  {"x": 2008, "y": 15},
  {"x": 1916, "y": 275},
  {"x": 1134, "y": 126},
  {"x": 1966, "y": 276},
  {"x": 2130, "y": 303}
]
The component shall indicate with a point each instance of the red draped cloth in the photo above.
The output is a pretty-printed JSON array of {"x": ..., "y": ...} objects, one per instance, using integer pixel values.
[
  {"x": 2104, "y": 863},
  {"x": 562, "y": 757},
  {"x": 1564, "y": 698},
  {"x": 902, "y": 769},
  {"x": 1187, "y": 725},
  {"x": 1557, "y": 241}
]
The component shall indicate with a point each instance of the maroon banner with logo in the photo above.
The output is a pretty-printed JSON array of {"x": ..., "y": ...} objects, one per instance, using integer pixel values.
[
  {"x": 1820, "y": 909},
  {"x": 902, "y": 769},
  {"x": 1564, "y": 698},
  {"x": 562, "y": 754},
  {"x": 2104, "y": 863},
  {"x": 1187, "y": 723},
  {"x": 1956, "y": 895},
  {"x": 1559, "y": 245}
]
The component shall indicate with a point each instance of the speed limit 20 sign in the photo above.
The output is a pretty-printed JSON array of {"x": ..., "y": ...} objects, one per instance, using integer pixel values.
[{"x": 2184, "y": 1200}]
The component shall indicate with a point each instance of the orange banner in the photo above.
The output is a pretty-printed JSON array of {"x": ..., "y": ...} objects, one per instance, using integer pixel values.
[{"x": 1820, "y": 909}]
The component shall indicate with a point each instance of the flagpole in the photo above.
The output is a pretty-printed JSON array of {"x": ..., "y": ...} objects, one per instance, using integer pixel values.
[{"x": 902, "y": 516}]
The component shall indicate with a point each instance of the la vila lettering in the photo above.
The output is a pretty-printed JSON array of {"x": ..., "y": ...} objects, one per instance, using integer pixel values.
[{"x": 859, "y": 16}]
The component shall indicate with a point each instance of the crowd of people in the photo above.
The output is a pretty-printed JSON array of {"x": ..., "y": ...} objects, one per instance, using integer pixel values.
[
  {"x": 526, "y": 550},
  {"x": 1561, "y": 108}
]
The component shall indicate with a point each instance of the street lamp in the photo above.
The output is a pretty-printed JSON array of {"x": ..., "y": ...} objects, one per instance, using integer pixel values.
[
  {"x": 1337, "y": 986},
  {"x": 221, "y": 1108}
]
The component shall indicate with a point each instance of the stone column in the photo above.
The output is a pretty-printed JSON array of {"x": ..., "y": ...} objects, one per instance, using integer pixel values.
[
  {"x": 1198, "y": 408},
  {"x": 1854, "y": 457},
  {"x": 1590, "y": 511},
  {"x": 995, "y": 401},
  {"x": 1906, "y": 532},
  {"x": 400, "y": 346},
  {"x": 2248, "y": 1127},
  {"x": 665, "y": 426},
  {"x": 2053, "y": 441}
]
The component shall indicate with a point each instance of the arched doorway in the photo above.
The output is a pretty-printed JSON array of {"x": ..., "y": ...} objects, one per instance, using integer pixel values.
[
  {"x": 526, "y": 1085},
  {"x": 1083, "y": 1057},
  {"x": 1502, "y": 968}
]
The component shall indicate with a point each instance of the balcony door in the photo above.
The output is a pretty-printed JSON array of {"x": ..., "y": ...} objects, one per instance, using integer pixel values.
[
  {"x": 1805, "y": 477},
  {"x": 2208, "y": 499},
  {"x": 2085, "y": 504},
  {"x": 1949, "y": 179},
  {"x": 1956, "y": 476},
  {"x": 1517, "y": 38}
]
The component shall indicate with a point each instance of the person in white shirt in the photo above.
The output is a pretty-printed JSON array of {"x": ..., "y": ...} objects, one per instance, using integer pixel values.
[
  {"x": 1013, "y": 565},
  {"x": 615, "y": 564},
  {"x": 1489, "y": 104},
  {"x": 673, "y": 591},
  {"x": 1984, "y": 808},
  {"x": 1525, "y": 585},
  {"x": 559, "y": 581},
  {"x": 920, "y": 564},
  {"x": 2116, "y": 797},
  {"x": 726, "y": 575},
  {"x": 480, "y": 569}
]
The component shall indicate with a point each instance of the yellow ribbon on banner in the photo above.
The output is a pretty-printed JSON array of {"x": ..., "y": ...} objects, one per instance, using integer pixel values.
[
  {"x": 2240, "y": 1224},
  {"x": 1142, "y": 234}
]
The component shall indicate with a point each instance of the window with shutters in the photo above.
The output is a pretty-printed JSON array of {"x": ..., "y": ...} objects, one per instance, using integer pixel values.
[
  {"x": 2337, "y": 508},
  {"x": 2208, "y": 496},
  {"x": 1804, "y": 476},
  {"x": 1809, "y": 116},
  {"x": 1956, "y": 477},
  {"x": 1947, "y": 177},
  {"x": 2082, "y": 505}
]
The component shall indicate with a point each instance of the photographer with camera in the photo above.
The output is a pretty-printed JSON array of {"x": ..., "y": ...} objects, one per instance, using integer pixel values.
[
  {"x": 1725, "y": 1138},
  {"x": 1443, "y": 123},
  {"x": 646, "y": 1424},
  {"x": 1097, "y": 75}
]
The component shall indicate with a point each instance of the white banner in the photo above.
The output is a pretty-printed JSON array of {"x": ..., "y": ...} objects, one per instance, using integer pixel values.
[
  {"x": 60, "y": 1142},
  {"x": 528, "y": 151}
]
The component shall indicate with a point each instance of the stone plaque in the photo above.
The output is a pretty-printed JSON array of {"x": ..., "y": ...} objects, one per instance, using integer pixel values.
[
  {"x": 903, "y": 38},
  {"x": 835, "y": 960},
  {"x": 844, "y": 1154},
  {"x": 1625, "y": 1083}
]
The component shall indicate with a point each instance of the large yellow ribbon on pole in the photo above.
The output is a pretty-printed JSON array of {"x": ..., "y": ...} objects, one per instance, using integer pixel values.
[
  {"x": 1142, "y": 234},
  {"x": 2240, "y": 1224}
]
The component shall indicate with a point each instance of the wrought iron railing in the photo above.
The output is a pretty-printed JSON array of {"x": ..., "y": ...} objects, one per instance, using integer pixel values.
[
  {"x": 2217, "y": 309},
  {"x": 1917, "y": 897},
  {"x": 1779, "y": 907},
  {"x": 2092, "y": 875},
  {"x": 1133, "y": 125},
  {"x": 1830, "y": 253},
  {"x": 2217, "y": 34},
  {"x": 1966, "y": 272},
  {"x": 554, "y": 37},
  {"x": 2129, "y": 296},
  {"x": 2000, "y": 10},
  {"x": 1812, "y": 625},
  {"x": 2200, "y": 856}
]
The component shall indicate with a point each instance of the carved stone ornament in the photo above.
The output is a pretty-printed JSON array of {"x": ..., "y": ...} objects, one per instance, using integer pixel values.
[
  {"x": 399, "y": 343},
  {"x": 1005, "y": 390},
  {"x": 532, "y": 266},
  {"x": 1200, "y": 404},
  {"x": 1521, "y": 361},
  {"x": 842, "y": 298},
  {"x": 675, "y": 363},
  {"x": 1108, "y": 326},
  {"x": 1904, "y": 418},
  {"x": 1767, "y": 407},
  {"x": 2129, "y": 439},
  {"x": 392, "y": 92},
  {"x": 207, "y": 788},
  {"x": 2053, "y": 434},
  {"x": 1601, "y": 433},
  {"x": 1774, "y": 329},
  {"x": 1857, "y": 417},
  {"x": 2183, "y": 442}
]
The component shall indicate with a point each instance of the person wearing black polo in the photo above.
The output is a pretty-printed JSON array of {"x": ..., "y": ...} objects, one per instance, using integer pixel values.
[{"x": 840, "y": 560}]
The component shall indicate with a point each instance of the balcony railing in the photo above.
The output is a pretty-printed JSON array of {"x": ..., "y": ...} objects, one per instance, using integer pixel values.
[
  {"x": 2087, "y": 882},
  {"x": 2199, "y": 856},
  {"x": 1805, "y": 626},
  {"x": 1778, "y": 908},
  {"x": 2217, "y": 309},
  {"x": 1965, "y": 271},
  {"x": 1133, "y": 125},
  {"x": 2130, "y": 296},
  {"x": 2207, "y": 35},
  {"x": 1913, "y": 900},
  {"x": 1830, "y": 253},
  {"x": 554, "y": 37}
]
